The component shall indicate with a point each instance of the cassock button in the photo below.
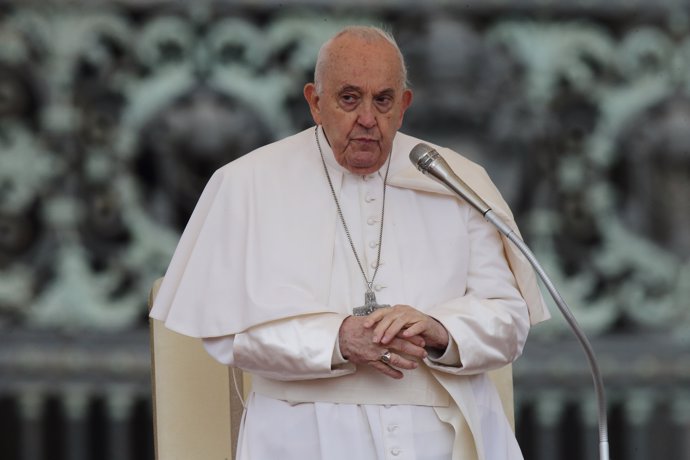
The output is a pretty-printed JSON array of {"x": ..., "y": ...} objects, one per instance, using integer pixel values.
[
  {"x": 373, "y": 264},
  {"x": 373, "y": 244},
  {"x": 395, "y": 451},
  {"x": 369, "y": 199},
  {"x": 378, "y": 287},
  {"x": 392, "y": 427},
  {"x": 371, "y": 220}
]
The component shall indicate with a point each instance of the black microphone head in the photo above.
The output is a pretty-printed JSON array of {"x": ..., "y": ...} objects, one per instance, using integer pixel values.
[{"x": 422, "y": 155}]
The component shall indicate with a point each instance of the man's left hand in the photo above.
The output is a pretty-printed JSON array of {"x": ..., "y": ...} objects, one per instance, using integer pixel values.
[{"x": 406, "y": 321}]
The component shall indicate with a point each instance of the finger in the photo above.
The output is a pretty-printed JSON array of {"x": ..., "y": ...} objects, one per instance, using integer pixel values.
[
  {"x": 435, "y": 333},
  {"x": 404, "y": 346},
  {"x": 382, "y": 327},
  {"x": 396, "y": 326},
  {"x": 375, "y": 317},
  {"x": 400, "y": 362},
  {"x": 386, "y": 369},
  {"x": 415, "y": 329},
  {"x": 417, "y": 340}
]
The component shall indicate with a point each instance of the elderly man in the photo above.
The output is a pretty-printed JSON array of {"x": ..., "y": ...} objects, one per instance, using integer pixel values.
[{"x": 367, "y": 302}]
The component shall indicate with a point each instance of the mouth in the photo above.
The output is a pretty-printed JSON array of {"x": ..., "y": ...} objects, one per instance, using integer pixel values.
[{"x": 365, "y": 140}]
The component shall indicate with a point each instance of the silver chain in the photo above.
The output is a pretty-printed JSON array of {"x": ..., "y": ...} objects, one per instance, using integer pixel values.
[{"x": 342, "y": 218}]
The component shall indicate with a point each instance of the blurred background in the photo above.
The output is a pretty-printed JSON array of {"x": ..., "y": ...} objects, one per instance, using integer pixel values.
[{"x": 114, "y": 113}]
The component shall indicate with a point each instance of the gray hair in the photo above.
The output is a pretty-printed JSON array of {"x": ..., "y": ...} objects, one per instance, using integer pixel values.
[{"x": 367, "y": 33}]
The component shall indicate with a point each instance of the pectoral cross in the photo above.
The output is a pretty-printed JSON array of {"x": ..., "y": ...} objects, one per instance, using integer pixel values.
[{"x": 370, "y": 305}]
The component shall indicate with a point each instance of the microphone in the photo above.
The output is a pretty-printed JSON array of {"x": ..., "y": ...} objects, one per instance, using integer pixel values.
[{"x": 432, "y": 164}]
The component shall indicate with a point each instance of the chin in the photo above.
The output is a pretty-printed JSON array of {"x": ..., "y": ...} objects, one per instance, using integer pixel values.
[
  {"x": 365, "y": 159},
  {"x": 363, "y": 169}
]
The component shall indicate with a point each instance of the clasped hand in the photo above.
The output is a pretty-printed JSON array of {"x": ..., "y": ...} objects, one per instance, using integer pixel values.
[{"x": 401, "y": 329}]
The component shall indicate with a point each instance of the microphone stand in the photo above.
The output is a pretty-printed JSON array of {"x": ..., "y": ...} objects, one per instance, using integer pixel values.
[
  {"x": 572, "y": 322},
  {"x": 431, "y": 163}
]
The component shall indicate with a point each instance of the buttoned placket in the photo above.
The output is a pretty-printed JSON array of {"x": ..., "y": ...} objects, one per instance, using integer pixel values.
[
  {"x": 371, "y": 196},
  {"x": 398, "y": 440}
]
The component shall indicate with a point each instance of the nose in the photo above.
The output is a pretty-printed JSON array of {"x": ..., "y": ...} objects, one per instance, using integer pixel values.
[{"x": 366, "y": 116}]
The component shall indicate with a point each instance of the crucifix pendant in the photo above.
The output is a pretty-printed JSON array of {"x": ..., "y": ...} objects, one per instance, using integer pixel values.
[{"x": 370, "y": 305}]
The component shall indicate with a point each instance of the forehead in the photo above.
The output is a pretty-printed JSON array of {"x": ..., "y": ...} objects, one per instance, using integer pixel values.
[{"x": 368, "y": 64}]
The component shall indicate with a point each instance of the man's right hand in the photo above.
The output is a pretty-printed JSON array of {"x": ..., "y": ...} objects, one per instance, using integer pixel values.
[{"x": 357, "y": 346}]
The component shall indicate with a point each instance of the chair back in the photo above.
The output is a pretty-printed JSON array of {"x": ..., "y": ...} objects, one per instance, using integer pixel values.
[{"x": 196, "y": 410}]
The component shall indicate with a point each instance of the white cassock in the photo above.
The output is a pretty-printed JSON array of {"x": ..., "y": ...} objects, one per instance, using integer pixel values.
[{"x": 265, "y": 273}]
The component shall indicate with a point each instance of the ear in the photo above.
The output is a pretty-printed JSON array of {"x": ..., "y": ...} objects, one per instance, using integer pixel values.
[
  {"x": 407, "y": 97},
  {"x": 312, "y": 98}
]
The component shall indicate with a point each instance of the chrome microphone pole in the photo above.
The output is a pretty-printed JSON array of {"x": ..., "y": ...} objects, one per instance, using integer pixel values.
[
  {"x": 430, "y": 162},
  {"x": 572, "y": 322}
]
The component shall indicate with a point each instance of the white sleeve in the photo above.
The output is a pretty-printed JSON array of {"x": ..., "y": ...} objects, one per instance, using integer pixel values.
[
  {"x": 221, "y": 349},
  {"x": 490, "y": 322},
  {"x": 448, "y": 357},
  {"x": 299, "y": 348}
]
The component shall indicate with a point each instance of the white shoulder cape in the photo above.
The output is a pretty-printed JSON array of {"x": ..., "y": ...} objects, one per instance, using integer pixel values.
[{"x": 234, "y": 265}]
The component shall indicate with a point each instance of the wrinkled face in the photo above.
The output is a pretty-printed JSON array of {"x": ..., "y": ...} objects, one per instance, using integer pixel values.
[{"x": 361, "y": 103}]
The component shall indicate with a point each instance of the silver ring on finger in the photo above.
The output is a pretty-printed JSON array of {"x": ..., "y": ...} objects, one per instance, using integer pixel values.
[{"x": 385, "y": 357}]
